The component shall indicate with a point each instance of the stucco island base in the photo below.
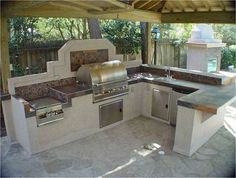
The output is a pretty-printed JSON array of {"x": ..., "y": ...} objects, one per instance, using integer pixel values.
[{"x": 194, "y": 128}]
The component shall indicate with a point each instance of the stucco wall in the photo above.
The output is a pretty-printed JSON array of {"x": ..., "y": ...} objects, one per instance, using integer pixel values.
[{"x": 62, "y": 69}]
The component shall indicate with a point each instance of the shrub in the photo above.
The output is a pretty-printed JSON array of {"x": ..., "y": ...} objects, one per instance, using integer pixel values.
[{"x": 228, "y": 57}]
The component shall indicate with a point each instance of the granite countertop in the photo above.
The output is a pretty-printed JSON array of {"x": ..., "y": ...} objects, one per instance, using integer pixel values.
[
  {"x": 204, "y": 97},
  {"x": 207, "y": 98}
]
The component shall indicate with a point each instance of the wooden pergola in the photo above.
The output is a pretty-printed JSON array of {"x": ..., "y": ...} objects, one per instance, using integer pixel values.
[{"x": 158, "y": 11}]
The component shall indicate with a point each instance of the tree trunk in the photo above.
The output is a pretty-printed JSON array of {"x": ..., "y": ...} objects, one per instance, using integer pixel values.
[
  {"x": 94, "y": 29},
  {"x": 84, "y": 34},
  {"x": 78, "y": 31},
  {"x": 143, "y": 27},
  {"x": 61, "y": 32}
]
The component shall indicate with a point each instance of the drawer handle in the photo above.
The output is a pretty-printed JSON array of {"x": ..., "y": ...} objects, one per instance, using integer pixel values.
[
  {"x": 166, "y": 106},
  {"x": 121, "y": 110}
]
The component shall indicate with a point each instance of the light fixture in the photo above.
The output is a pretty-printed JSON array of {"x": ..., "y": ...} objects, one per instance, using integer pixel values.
[{"x": 155, "y": 33}]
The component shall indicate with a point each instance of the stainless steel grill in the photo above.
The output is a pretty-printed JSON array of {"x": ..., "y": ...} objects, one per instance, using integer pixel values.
[
  {"x": 48, "y": 110},
  {"x": 108, "y": 79}
]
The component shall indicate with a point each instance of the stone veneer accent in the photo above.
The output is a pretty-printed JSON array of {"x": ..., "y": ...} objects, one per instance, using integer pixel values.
[
  {"x": 78, "y": 58},
  {"x": 34, "y": 91}
]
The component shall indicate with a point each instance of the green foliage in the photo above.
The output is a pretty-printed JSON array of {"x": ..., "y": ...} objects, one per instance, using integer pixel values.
[
  {"x": 18, "y": 69},
  {"x": 177, "y": 34},
  {"x": 124, "y": 35},
  {"x": 36, "y": 32},
  {"x": 225, "y": 32},
  {"x": 22, "y": 30},
  {"x": 63, "y": 28},
  {"x": 228, "y": 57}
]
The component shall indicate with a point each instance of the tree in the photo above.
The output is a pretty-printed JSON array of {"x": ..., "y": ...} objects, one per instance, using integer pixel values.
[
  {"x": 94, "y": 29},
  {"x": 226, "y": 32},
  {"x": 64, "y": 28},
  {"x": 143, "y": 26},
  {"x": 228, "y": 57},
  {"x": 125, "y": 35},
  {"x": 22, "y": 30}
]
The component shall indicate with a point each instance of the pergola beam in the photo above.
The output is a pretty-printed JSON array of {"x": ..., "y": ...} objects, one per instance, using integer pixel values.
[
  {"x": 153, "y": 5},
  {"x": 86, "y": 5},
  {"x": 111, "y": 11},
  {"x": 142, "y": 4},
  {"x": 196, "y": 17},
  {"x": 206, "y": 4},
  {"x": 222, "y": 5},
  {"x": 69, "y": 5},
  {"x": 118, "y": 4},
  {"x": 134, "y": 2},
  {"x": 51, "y": 10}
]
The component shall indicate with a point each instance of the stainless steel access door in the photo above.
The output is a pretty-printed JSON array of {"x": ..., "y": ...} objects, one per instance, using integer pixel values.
[
  {"x": 110, "y": 113},
  {"x": 160, "y": 104}
]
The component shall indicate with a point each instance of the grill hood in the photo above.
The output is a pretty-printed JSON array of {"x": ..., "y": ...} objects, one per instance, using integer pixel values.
[
  {"x": 102, "y": 73},
  {"x": 108, "y": 79}
]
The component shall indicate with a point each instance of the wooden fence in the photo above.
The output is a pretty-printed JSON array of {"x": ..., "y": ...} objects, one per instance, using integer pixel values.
[
  {"x": 170, "y": 55},
  {"x": 33, "y": 60}
]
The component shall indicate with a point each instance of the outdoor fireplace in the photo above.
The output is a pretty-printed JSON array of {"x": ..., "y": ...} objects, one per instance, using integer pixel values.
[{"x": 204, "y": 51}]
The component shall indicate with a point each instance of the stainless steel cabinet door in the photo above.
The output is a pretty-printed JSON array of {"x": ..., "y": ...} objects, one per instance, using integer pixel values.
[
  {"x": 110, "y": 113},
  {"x": 160, "y": 104}
]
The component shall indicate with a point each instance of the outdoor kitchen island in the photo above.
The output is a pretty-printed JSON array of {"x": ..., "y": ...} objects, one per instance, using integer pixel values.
[{"x": 200, "y": 114}]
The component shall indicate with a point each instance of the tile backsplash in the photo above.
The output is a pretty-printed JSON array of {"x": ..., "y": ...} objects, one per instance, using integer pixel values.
[{"x": 78, "y": 58}]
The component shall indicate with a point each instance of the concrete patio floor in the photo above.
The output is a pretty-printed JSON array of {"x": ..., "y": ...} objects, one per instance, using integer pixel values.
[{"x": 124, "y": 151}]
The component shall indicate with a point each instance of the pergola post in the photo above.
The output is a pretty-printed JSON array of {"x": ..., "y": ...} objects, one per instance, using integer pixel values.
[
  {"x": 149, "y": 43},
  {"x": 4, "y": 60}
]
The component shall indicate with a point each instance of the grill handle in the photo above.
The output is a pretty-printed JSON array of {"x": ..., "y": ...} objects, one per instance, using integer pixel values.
[{"x": 107, "y": 83}]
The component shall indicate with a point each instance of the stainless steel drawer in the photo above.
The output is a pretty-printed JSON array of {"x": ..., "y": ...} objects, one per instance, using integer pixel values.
[{"x": 110, "y": 113}]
